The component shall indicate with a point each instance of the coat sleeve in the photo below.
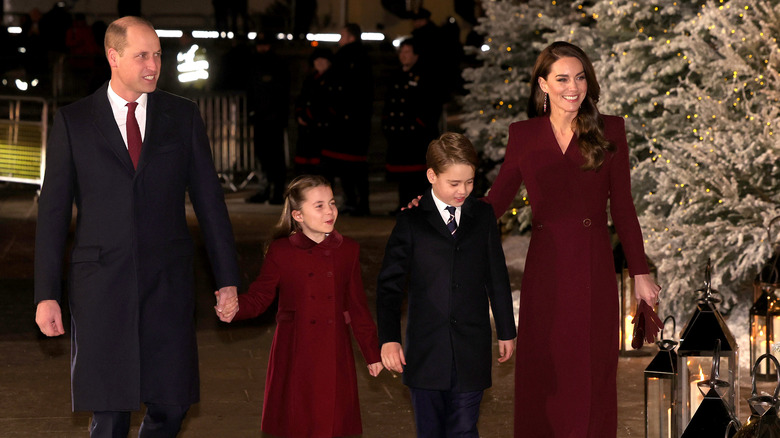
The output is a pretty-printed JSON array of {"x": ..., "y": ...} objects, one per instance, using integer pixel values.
[
  {"x": 621, "y": 204},
  {"x": 499, "y": 289},
  {"x": 363, "y": 327},
  {"x": 392, "y": 279},
  {"x": 55, "y": 210},
  {"x": 208, "y": 202},
  {"x": 509, "y": 177},
  {"x": 262, "y": 291}
]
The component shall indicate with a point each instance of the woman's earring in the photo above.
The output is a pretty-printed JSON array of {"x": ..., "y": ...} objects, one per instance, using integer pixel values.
[{"x": 545, "y": 103}]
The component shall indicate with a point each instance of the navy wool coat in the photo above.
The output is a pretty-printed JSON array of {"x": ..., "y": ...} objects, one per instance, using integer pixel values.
[
  {"x": 130, "y": 274},
  {"x": 452, "y": 285}
]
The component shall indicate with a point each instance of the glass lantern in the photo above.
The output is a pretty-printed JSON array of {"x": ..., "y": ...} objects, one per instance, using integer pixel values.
[
  {"x": 715, "y": 416},
  {"x": 695, "y": 355},
  {"x": 660, "y": 387},
  {"x": 765, "y": 313},
  {"x": 764, "y": 330}
]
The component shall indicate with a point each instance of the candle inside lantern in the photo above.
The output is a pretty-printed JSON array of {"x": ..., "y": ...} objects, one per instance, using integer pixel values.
[
  {"x": 669, "y": 422},
  {"x": 696, "y": 395},
  {"x": 629, "y": 332}
]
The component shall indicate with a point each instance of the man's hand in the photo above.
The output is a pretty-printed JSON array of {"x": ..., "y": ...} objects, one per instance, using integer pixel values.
[
  {"x": 505, "y": 350},
  {"x": 393, "y": 357},
  {"x": 227, "y": 303},
  {"x": 48, "y": 316}
]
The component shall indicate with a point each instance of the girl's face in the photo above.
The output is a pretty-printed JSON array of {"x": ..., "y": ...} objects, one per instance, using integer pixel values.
[
  {"x": 453, "y": 185},
  {"x": 566, "y": 85},
  {"x": 318, "y": 213}
]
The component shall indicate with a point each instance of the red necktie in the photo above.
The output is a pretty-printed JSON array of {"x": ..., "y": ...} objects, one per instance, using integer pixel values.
[{"x": 133, "y": 134}]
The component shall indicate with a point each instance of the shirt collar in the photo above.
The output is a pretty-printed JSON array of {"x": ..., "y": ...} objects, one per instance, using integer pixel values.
[{"x": 117, "y": 102}]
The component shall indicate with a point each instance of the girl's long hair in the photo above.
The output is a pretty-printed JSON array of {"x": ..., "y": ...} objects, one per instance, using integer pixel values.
[
  {"x": 293, "y": 198},
  {"x": 588, "y": 126}
]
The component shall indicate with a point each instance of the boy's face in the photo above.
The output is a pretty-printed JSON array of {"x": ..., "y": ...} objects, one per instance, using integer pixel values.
[{"x": 453, "y": 185}]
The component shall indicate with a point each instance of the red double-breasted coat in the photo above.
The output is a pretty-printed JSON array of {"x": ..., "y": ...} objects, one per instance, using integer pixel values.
[
  {"x": 311, "y": 386},
  {"x": 567, "y": 343}
]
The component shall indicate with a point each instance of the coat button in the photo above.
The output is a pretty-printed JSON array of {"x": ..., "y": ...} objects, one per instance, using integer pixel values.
[
  {"x": 329, "y": 274},
  {"x": 311, "y": 274},
  {"x": 539, "y": 227},
  {"x": 586, "y": 222},
  {"x": 453, "y": 321}
]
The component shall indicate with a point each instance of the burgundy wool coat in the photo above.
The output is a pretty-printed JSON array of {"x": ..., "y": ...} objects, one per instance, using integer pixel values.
[
  {"x": 311, "y": 387},
  {"x": 567, "y": 343}
]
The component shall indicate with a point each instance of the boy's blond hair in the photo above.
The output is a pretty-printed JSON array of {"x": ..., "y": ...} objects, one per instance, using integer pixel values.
[{"x": 450, "y": 148}]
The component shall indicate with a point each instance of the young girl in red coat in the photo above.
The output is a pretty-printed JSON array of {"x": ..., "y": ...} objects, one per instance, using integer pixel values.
[{"x": 311, "y": 387}]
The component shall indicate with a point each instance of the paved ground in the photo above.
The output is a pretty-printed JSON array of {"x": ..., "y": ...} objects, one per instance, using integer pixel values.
[{"x": 34, "y": 382}]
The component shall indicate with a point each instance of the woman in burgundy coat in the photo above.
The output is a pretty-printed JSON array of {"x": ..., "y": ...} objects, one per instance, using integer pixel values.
[
  {"x": 572, "y": 160},
  {"x": 311, "y": 387}
]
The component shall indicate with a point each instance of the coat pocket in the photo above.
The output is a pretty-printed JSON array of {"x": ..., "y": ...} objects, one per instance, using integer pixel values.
[{"x": 84, "y": 263}]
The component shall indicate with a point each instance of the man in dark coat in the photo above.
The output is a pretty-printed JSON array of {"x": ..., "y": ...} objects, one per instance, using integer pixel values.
[
  {"x": 268, "y": 98},
  {"x": 131, "y": 274},
  {"x": 347, "y": 156},
  {"x": 410, "y": 121}
]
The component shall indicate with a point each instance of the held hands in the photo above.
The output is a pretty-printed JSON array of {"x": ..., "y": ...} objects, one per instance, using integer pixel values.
[
  {"x": 393, "y": 357},
  {"x": 505, "y": 350},
  {"x": 375, "y": 368},
  {"x": 48, "y": 316},
  {"x": 227, "y": 303}
]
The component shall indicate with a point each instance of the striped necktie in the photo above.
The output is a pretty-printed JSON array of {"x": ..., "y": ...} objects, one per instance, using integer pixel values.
[{"x": 452, "y": 225}]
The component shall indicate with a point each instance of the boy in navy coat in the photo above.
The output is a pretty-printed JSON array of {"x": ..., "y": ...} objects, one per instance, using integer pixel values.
[{"x": 447, "y": 253}]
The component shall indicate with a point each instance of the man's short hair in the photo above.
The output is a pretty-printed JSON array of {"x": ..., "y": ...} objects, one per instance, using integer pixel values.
[
  {"x": 354, "y": 30},
  {"x": 116, "y": 33}
]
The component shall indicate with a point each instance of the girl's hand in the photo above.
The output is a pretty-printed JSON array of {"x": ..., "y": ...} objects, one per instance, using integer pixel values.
[
  {"x": 646, "y": 290},
  {"x": 375, "y": 368}
]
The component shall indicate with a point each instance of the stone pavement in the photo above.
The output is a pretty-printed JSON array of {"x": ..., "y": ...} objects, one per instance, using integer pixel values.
[{"x": 34, "y": 381}]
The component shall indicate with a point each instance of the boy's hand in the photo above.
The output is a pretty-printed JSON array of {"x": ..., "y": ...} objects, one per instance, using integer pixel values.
[
  {"x": 375, "y": 368},
  {"x": 393, "y": 357},
  {"x": 505, "y": 349}
]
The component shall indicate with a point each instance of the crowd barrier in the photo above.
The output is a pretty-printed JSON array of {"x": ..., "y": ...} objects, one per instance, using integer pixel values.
[
  {"x": 24, "y": 124},
  {"x": 231, "y": 135}
]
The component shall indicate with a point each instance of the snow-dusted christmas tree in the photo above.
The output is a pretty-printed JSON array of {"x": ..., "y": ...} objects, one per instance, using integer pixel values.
[{"x": 713, "y": 183}]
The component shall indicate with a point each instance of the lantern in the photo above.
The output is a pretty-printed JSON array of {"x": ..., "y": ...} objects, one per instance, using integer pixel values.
[
  {"x": 695, "y": 354},
  {"x": 763, "y": 421},
  {"x": 765, "y": 313},
  {"x": 714, "y": 416},
  {"x": 660, "y": 386}
]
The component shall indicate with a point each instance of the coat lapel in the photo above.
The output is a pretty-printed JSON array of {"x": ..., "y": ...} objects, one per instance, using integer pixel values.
[
  {"x": 433, "y": 216},
  {"x": 104, "y": 121},
  {"x": 156, "y": 121},
  {"x": 466, "y": 217}
]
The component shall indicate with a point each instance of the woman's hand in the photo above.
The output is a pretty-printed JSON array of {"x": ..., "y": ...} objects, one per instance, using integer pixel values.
[{"x": 646, "y": 289}]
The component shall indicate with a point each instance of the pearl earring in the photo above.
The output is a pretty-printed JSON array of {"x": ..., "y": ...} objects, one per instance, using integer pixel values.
[{"x": 545, "y": 103}]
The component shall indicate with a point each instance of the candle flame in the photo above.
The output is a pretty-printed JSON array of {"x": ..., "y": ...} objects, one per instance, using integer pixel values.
[{"x": 701, "y": 374}]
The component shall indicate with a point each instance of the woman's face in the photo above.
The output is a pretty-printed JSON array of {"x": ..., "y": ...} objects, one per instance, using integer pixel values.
[{"x": 566, "y": 85}]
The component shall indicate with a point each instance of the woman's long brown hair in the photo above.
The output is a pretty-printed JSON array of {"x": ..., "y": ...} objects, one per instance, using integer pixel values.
[{"x": 588, "y": 124}]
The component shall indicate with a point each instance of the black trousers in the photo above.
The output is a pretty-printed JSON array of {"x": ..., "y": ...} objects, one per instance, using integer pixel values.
[
  {"x": 160, "y": 421},
  {"x": 446, "y": 414}
]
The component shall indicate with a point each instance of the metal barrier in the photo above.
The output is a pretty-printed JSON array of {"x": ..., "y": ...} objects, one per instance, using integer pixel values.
[
  {"x": 231, "y": 135},
  {"x": 23, "y": 130}
]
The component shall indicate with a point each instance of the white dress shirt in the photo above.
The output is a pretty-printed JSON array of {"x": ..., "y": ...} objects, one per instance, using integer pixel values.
[
  {"x": 442, "y": 207},
  {"x": 119, "y": 107}
]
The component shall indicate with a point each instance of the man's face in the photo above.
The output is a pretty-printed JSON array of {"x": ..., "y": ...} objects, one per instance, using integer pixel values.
[
  {"x": 407, "y": 56},
  {"x": 136, "y": 70},
  {"x": 346, "y": 38}
]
